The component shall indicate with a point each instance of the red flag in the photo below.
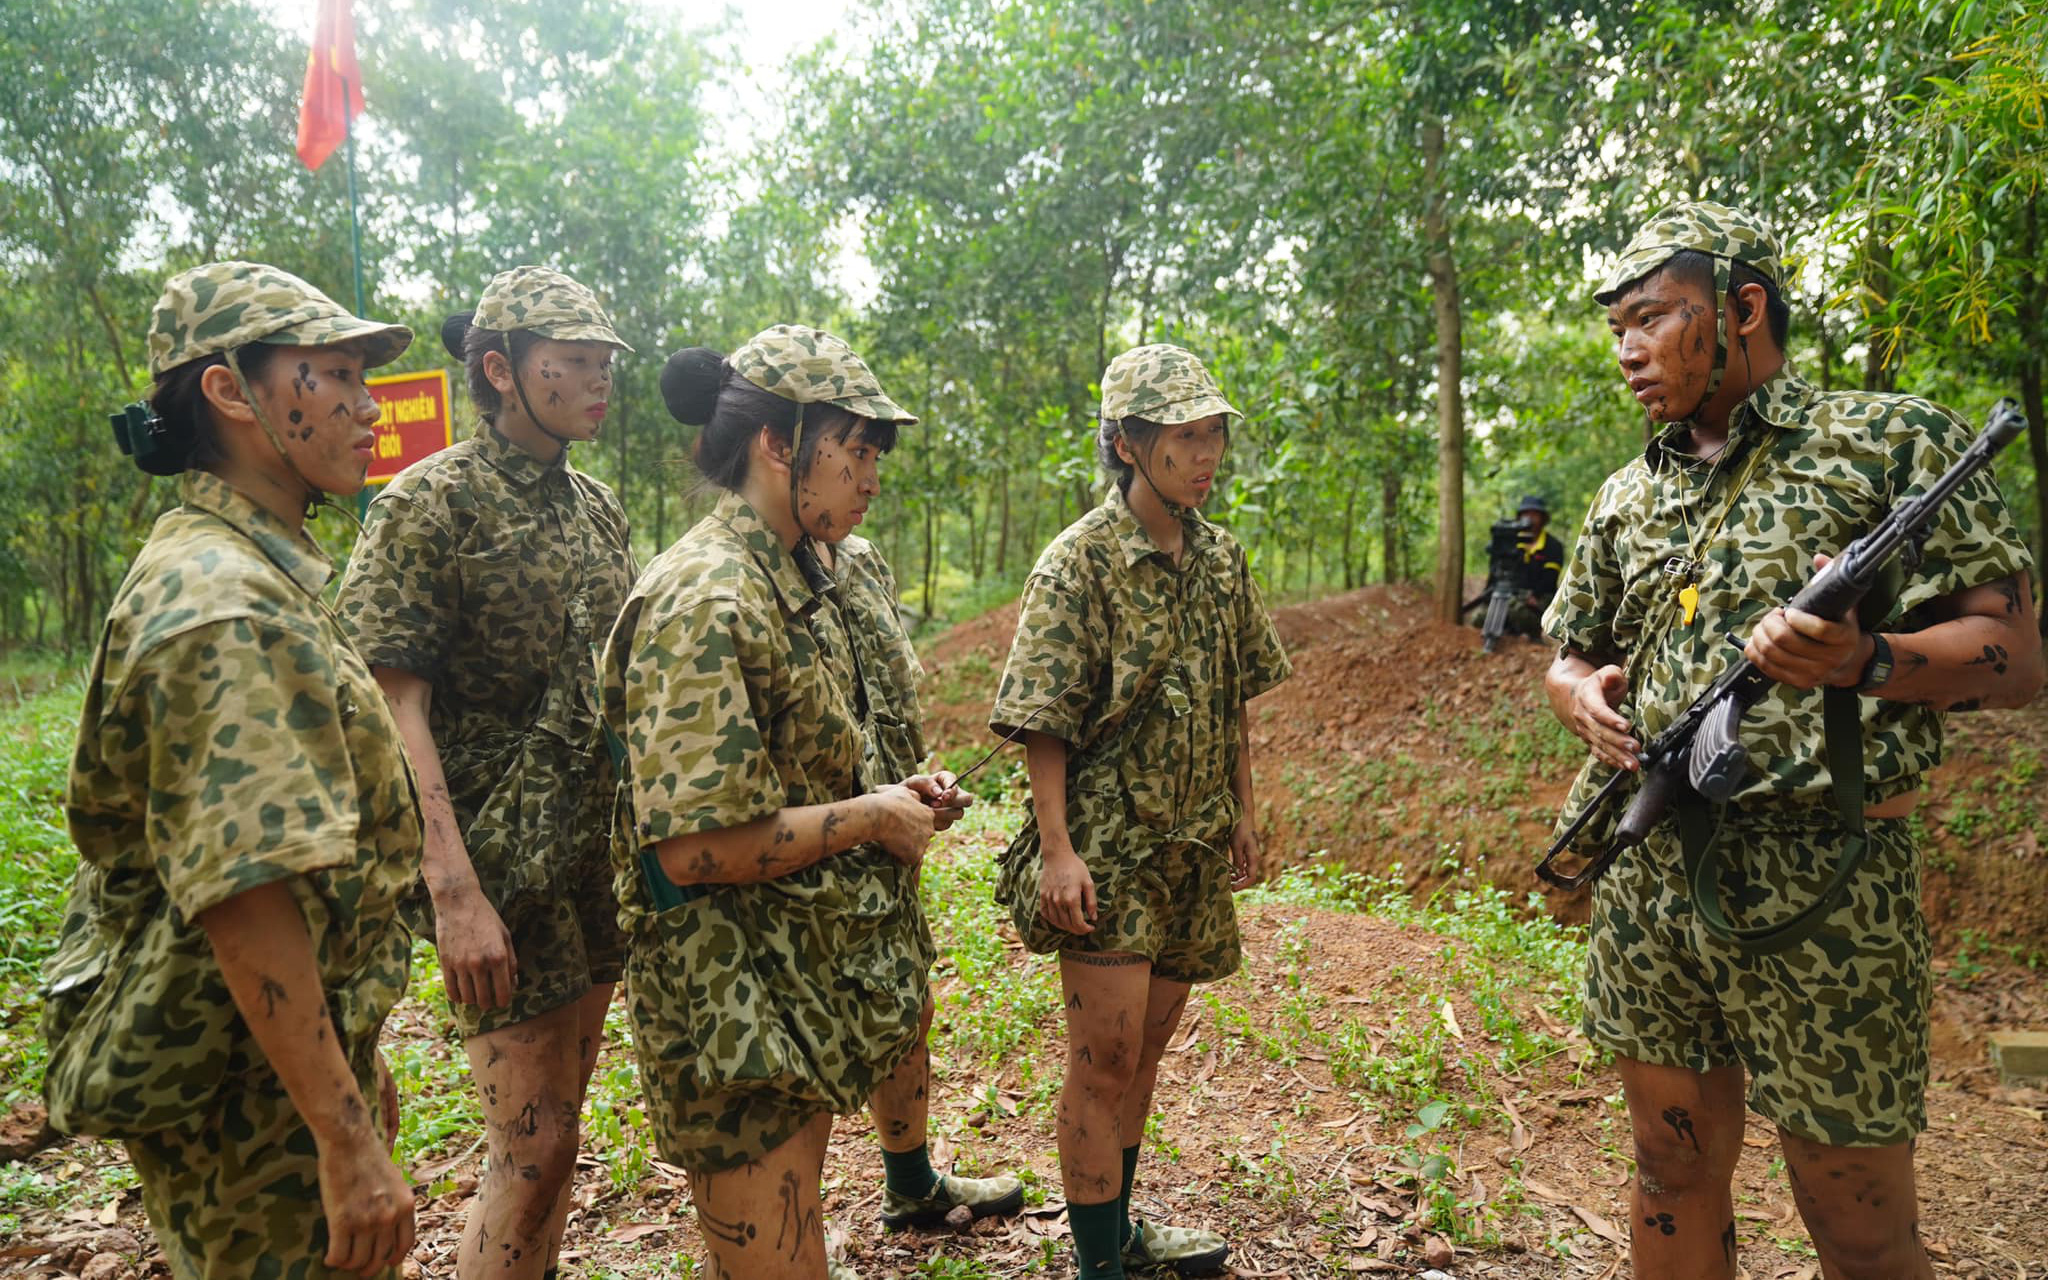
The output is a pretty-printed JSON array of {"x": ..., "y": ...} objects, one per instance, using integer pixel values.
[{"x": 334, "y": 86}]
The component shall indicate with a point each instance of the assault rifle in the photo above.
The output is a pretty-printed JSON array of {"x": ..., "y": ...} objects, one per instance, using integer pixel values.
[{"x": 1702, "y": 750}]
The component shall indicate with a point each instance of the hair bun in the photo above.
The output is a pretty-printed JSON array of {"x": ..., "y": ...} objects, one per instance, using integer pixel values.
[
  {"x": 455, "y": 333},
  {"x": 690, "y": 380}
]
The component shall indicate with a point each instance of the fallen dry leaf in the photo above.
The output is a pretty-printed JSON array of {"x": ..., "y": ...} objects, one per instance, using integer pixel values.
[
  {"x": 1600, "y": 1226},
  {"x": 1544, "y": 1191}
]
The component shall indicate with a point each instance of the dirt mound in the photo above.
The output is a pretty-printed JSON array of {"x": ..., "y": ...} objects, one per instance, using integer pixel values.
[{"x": 988, "y": 636}]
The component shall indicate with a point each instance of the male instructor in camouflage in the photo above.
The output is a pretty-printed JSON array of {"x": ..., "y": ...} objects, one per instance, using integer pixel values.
[{"x": 1753, "y": 479}]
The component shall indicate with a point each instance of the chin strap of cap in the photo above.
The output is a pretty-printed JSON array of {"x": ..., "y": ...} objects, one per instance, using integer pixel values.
[
  {"x": 1720, "y": 370},
  {"x": 314, "y": 496},
  {"x": 1174, "y": 509},
  {"x": 520, "y": 387}
]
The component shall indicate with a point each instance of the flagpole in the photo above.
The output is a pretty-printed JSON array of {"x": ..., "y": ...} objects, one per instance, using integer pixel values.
[{"x": 355, "y": 230}]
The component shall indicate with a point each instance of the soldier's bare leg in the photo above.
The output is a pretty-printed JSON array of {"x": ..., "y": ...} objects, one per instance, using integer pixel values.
[
  {"x": 590, "y": 1011},
  {"x": 1688, "y": 1136},
  {"x": 1165, "y": 1001},
  {"x": 1861, "y": 1206},
  {"x": 763, "y": 1220},
  {"x": 1106, "y": 998},
  {"x": 529, "y": 1077},
  {"x": 902, "y": 1104}
]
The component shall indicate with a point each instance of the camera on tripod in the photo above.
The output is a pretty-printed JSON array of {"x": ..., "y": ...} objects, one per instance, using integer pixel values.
[{"x": 1504, "y": 576}]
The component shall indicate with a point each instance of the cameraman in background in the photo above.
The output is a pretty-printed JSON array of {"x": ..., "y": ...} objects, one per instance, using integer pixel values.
[
  {"x": 1523, "y": 563},
  {"x": 1542, "y": 556}
]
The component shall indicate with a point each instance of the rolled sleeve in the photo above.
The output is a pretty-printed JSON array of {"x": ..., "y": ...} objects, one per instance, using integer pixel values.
[
  {"x": 237, "y": 729},
  {"x": 696, "y": 699},
  {"x": 1581, "y": 613},
  {"x": 401, "y": 599},
  {"x": 1261, "y": 659},
  {"x": 1058, "y": 647}
]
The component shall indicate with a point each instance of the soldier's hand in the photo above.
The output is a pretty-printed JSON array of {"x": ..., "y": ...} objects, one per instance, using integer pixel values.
[
  {"x": 368, "y": 1205},
  {"x": 1247, "y": 862},
  {"x": 1806, "y": 651},
  {"x": 1066, "y": 892},
  {"x": 941, "y": 792},
  {"x": 478, "y": 963},
  {"x": 1595, "y": 719},
  {"x": 903, "y": 822}
]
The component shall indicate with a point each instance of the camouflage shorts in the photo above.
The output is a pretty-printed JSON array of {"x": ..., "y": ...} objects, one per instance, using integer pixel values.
[
  {"x": 755, "y": 1010},
  {"x": 567, "y": 943},
  {"x": 1173, "y": 906},
  {"x": 236, "y": 1196},
  {"x": 1833, "y": 1031}
]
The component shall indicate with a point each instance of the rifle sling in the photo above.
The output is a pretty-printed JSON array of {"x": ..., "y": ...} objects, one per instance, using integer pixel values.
[
  {"x": 1699, "y": 824},
  {"x": 1699, "y": 829}
]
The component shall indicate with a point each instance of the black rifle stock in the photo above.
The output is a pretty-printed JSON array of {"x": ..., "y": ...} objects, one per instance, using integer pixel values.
[{"x": 1702, "y": 749}]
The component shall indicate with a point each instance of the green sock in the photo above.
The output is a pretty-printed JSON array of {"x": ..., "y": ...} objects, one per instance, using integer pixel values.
[
  {"x": 910, "y": 1173},
  {"x": 1123, "y": 1202},
  {"x": 1097, "y": 1251}
]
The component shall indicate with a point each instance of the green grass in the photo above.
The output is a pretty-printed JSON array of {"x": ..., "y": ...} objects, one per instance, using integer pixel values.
[
  {"x": 38, "y": 720},
  {"x": 988, "y": 1004},
  {"x": 1401, "y": 1059}
]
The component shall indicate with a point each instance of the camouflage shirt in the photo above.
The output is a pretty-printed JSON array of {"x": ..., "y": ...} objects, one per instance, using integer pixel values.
[
  {"x": 231, "y": 736},
  {"x": 493, "y": 575},
  {"x": 1180, "y": 649},
  {"x": 1835, "y": 463},
  {"x": 730, "y": 684},
  {"x": 729, "y": 681},
  {"x": 888, "y": 665}
]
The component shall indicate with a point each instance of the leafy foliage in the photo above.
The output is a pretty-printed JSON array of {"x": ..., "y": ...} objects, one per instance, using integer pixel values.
[{"x": 1377, "y": 219}]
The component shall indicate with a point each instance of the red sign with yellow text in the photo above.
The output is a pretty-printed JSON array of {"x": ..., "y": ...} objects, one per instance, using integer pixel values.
[{"x": 415, "y": 421}]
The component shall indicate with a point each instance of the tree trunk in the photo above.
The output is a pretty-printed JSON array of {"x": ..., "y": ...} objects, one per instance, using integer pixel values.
[
  {"x": 1350, "y": 516},
  {"x": 1390, "y": 514},
  {"x": 931, "y": 520},
  {"x": 975, "y": 527},
  {"x": 1450, "y": 407},
  {"x": 1003, "y": 529},
  {"x": 2033, "y": 303},
  {"x": 2037, "y": 445}
]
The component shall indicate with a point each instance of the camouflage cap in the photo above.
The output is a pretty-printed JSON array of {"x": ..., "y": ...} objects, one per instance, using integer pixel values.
[
  {"x": 809, "y": 365},
  {"x": 1729, "y": 234},
  {"x": 1161, "y": 383},
  {"x": 543, "y": 301},
  {"x": 223, "y": 305}
]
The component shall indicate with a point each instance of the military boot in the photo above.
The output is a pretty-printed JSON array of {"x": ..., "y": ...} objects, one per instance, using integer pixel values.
[
  {"x": 984, "y": 1198},
  {"x": 1186, "y": 1251}
]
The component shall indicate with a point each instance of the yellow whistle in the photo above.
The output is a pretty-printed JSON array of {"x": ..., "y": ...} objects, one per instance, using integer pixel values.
[{"x": 1689, "y": 600}]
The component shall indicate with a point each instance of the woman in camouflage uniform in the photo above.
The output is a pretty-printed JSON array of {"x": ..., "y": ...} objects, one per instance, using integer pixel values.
[
  {"x": 1140, "y": 638},
  {"x": 485, "y": 577},
  {"x": 768, "y": 885},
  {"x": 245, "y": 821},
  {"x": 913, "y": 1193}
]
